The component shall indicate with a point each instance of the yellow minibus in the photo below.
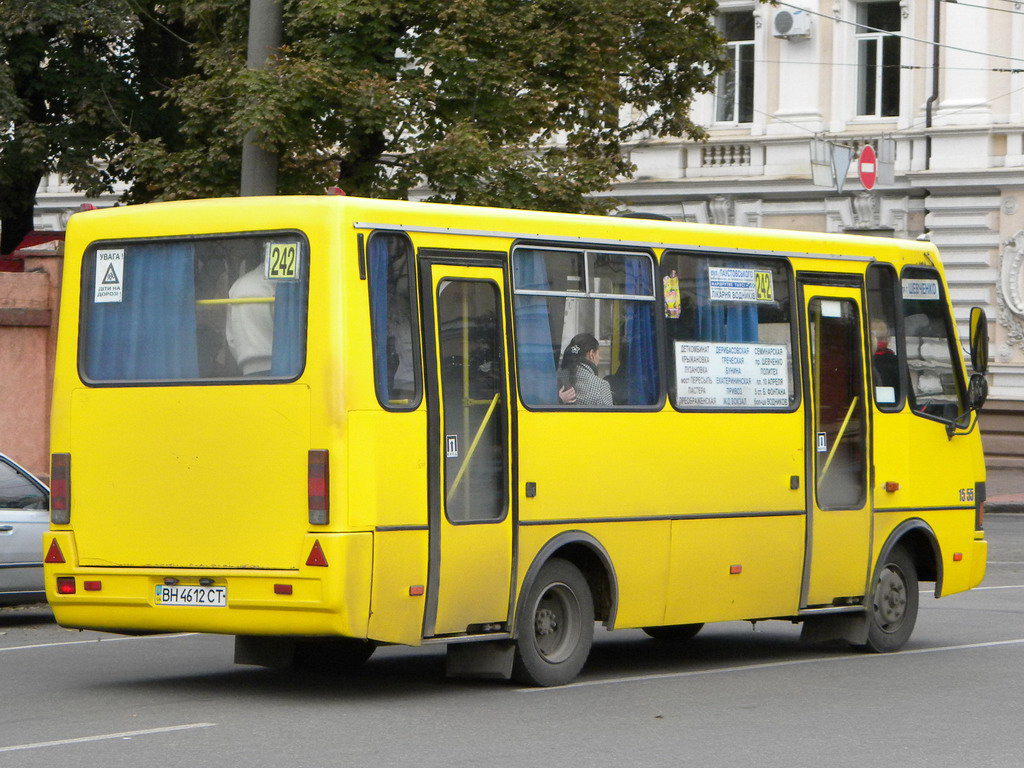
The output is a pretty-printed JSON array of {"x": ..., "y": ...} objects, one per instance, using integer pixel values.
[{"x": 323, "y": 424}]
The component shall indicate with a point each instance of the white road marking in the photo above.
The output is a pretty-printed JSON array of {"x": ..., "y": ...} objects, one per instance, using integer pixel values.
[
  {"x": 1006, "y": 562},
  {"x": 771, "y": 665},
  {"x": 106, "y": 736},
  {"x": 930, "y": 590},
  {"x": 97, "y": 640},
  {"x": 1004, "y": 586}
]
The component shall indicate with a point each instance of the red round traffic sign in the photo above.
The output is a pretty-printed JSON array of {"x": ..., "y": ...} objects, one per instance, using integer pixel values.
[{"x": 867, "y": 167}]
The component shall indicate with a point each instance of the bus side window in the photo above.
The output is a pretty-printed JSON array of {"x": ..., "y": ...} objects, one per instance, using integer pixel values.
[
  {"x": 393, "y": 314},
  {"x": 608, "y": 297},
  {"x": 886, "y": 353},
  {"x": 729, "y": 332},
  {"x": 935, "y": 386}
]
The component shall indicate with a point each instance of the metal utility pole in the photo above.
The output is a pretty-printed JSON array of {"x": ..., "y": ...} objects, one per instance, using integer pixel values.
[{"x": 259, "y": 167}]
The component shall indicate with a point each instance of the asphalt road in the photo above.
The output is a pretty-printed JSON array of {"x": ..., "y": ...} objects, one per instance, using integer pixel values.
[{"x": 734, "y": 697}]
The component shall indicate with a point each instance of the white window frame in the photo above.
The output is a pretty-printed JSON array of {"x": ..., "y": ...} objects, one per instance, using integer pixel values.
[
  {"x": 878, "y": 37},
  {"x": 735, "y": 47}
]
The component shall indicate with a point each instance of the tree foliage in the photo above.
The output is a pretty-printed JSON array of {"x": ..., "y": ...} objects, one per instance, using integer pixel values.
[
  {"x": 522, "y": 103},
  {"x": 78, "y": 82}
]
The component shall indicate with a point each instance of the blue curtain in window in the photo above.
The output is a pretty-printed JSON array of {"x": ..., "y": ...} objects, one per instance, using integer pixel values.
[
  {"x": 722, "y": 320},
  {"x": 289, "y": 331},
  {"x": 538, "y": 383},
  {"x": 378, "y": 255},
  {"x": 151, "y": 332},
  {"x": 640, "y": 358}
]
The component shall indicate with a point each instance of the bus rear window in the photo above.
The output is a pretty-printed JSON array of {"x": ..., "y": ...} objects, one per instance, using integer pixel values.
[{"x": 206, "y": 309}]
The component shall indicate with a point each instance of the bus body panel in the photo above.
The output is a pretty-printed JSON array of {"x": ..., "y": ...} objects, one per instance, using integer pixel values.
[
  {"x": 324, "y": 601},
  {"x": 639, "y": 551},
  {"x": 178, "y": 476},
  {"x": 706, "y": 584},
  {"x": 399, "y": 568},
  {"x": 399, "y": 495}
]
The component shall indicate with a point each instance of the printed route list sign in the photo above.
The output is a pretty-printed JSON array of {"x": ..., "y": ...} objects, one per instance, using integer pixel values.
[{"x": 729, "y": 375}]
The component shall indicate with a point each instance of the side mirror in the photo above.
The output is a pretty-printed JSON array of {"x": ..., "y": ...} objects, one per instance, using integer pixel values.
[
  {"x": 979, "y": 341},
  {"x": 977, "y": 391}
]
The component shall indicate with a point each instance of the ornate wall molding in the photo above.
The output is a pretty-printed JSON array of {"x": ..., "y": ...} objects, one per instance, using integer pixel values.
[{"x": 1010, "y": 294}]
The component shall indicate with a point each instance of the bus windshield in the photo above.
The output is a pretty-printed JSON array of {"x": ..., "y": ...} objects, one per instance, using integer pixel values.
[{"x": 214, "y": 308}]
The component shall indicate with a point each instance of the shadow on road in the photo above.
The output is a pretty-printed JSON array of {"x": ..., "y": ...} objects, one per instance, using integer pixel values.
[
  {"x": 403, "y": 672},
  {"x": 25, "y": 615}
]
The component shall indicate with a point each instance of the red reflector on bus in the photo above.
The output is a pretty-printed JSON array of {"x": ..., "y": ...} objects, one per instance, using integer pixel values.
[
  {"x": 734, "y": 569},
  {"x": 53, "y": 554},
  {"x": 319, "y": 489},
  {"x": 282, "y": 589},
  {"x": 892, "y": 487},
  {"x": 316, "y": 556},
  {"x": 92, "y": 586},
  {"x": 60, "y": 488},
  {"x": 958, "y": 556},
  {"x": 66, "y": 585},
  {"x": 416, "y": 590}
]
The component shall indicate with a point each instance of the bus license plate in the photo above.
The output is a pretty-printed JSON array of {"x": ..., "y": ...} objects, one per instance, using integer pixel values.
[{"x": 178, "y": 595}]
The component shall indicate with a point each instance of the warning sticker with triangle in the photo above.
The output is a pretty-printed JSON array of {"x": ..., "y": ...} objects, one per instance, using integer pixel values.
[{"x": 109, "y": 276}]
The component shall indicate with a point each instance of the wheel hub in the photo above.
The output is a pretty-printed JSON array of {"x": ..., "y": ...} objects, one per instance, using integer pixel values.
[
  {"x": 547, "y": 622},
  {"x": 890, "y": 599}
]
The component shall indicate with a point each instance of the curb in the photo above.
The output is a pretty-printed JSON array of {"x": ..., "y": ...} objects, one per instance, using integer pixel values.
[{"x": 1003, "y": 507}]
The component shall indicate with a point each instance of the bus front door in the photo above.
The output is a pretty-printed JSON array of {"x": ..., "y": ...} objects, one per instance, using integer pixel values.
[
  {"x": 838, "y": 509},
  {"x": 470, "y": 567}
]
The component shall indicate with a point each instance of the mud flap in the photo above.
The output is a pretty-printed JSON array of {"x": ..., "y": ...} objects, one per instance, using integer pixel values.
[
  {"x": 491, "y": 660},
  {"x": 851, "y": 627}
]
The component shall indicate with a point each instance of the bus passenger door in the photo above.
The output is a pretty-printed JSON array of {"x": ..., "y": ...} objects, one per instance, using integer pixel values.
[
  {"x": 838, "y": 509},
  {"x": 470, "y": 571}
]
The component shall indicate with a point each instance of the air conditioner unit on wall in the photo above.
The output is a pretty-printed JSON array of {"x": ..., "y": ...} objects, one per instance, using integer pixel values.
[{"x": 791, "y": 24}]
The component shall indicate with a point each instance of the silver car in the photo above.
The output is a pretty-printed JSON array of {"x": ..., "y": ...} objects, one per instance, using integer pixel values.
[{"x": 24, "y": 516}]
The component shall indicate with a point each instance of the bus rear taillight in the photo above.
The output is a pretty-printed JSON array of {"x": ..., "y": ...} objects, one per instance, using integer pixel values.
[
  {"x": 66, "y": 585},
  {"x": 319, "y": 505},
  {"x": 60, "y": 488}
]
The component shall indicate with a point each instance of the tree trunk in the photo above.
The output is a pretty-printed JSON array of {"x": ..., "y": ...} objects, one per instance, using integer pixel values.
[{"x": 20, "y": 197}]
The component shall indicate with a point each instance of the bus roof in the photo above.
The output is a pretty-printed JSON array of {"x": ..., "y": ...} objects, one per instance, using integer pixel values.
[{"x": 221, "y": 215}]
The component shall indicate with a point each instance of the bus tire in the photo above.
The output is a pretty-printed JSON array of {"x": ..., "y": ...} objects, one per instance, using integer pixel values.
[
  {"x": 337, "y": 656},
  {"x": 555, "y": 628},
  {"x": 677, "y": 633},
  {"x": 892, "y": 603}
]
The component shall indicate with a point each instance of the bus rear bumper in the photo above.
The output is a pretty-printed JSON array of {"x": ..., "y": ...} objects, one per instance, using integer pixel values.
[{"x": 307, "y": 600}]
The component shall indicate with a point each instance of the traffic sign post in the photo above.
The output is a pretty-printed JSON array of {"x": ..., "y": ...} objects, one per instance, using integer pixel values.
[{"x": 867, "y": 167}]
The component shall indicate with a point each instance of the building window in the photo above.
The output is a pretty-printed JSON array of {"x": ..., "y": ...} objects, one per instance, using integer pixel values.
[
  {"x": 878, "y": 59},
  {"x": 734, "y": 93}
]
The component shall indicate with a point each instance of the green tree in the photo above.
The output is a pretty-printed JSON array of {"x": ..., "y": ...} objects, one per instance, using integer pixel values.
[
  {"x": 78, "y": 81},
  {"x": 522, "y": 103}
]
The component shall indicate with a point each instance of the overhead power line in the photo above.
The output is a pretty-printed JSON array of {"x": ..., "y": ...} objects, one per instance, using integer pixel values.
[
  {"x": 897, "y": 34},
  {"x": 986, "y": 7}
]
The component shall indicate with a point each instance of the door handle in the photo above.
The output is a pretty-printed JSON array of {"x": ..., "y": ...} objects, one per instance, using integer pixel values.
[{"x": 6, "y": 528}]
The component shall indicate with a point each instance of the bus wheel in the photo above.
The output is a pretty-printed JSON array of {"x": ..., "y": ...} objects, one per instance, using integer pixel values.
[
  {"x": 677, "y": 633},
  {"x": 555, "y": 628},
  {"x": 335, "y": 656},
  {"x": 892, "y": 610}
]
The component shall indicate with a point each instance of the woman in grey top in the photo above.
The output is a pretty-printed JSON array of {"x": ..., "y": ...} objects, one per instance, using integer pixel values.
[{"x": 579, "y": 383}]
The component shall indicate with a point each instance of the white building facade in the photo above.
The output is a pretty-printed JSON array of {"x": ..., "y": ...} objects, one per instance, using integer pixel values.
[{"x": 855, "y": 73}]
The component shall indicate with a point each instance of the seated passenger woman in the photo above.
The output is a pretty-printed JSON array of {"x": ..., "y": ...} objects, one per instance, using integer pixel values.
[{"x": 578, "y": 374}]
